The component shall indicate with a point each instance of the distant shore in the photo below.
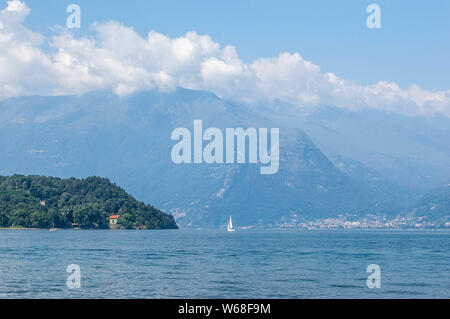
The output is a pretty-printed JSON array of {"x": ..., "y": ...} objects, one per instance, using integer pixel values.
[
  {"x": 246, "y": 230},
  {"x": 77, "y": 228},
  {"x": 19, "y": 228},
  {"x": 31, "y": 228}
]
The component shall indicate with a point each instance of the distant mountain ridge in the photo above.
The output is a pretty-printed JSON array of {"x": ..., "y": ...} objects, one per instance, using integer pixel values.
[
  {"x": 128, "y": 140},
  {"x": 412, "y": 152}
]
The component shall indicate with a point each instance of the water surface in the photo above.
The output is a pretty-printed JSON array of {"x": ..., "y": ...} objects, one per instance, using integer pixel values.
[{"x": 217, "y": 264}]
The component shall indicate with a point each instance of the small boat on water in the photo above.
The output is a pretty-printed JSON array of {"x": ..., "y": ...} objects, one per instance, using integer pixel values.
[
  {"x": 230, "y": 225},
  {"x": 53, "y": 229}
]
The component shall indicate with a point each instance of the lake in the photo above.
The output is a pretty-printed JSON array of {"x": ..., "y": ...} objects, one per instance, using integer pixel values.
[{"x": 217, "y": 264}]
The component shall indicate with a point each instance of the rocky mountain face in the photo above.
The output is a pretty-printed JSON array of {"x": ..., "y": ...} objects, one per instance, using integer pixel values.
[{"x": 129, "y": 141}]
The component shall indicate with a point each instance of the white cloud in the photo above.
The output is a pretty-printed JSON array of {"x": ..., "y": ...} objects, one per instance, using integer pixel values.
[{"x": 120, "y": 59}]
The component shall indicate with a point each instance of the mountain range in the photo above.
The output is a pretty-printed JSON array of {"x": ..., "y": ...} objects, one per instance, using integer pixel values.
[{"x": 332, "y": 161}]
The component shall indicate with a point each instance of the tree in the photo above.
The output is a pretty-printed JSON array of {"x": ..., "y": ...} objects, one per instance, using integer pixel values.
[{"x": 44, "y": 202}]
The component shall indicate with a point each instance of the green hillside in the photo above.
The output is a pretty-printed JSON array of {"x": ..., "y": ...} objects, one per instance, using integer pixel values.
[{"x": 46, "y": 202}]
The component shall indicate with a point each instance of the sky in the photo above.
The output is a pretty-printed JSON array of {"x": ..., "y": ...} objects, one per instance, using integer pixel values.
[
  {"x": 411, "y": 47},
  {"x": 325, "y": 47}
]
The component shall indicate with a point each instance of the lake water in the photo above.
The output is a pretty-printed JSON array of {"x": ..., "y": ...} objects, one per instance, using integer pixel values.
[{"x": 217, "y": 264}]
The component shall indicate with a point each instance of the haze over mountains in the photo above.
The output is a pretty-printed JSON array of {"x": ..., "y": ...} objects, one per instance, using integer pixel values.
[
  {"x": 332, "y": 161},
  {"x": 411, "y": 151}
]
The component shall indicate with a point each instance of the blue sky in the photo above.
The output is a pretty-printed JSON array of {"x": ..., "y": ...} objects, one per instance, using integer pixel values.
[
  {"x": 303, "y": 53},
  {"x": 412, "y": 47}
]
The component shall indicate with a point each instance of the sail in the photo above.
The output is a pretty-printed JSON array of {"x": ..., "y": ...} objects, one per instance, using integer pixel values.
[{"x": 230, "y": 225}]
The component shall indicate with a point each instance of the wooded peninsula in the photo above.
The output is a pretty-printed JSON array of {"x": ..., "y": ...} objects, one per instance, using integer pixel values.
[{"x": 90, "y": 203}]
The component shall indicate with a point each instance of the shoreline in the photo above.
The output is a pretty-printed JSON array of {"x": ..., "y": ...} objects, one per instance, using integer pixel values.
[
  {"x": 59, "y": 229},
  {"x": 243, "y": 230}
]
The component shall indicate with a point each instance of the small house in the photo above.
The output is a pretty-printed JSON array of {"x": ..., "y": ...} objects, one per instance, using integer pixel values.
[{"x": 113, "y": 219}]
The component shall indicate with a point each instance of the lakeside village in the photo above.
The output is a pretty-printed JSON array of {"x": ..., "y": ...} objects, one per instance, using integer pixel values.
[{"x": 366, "y": 222}]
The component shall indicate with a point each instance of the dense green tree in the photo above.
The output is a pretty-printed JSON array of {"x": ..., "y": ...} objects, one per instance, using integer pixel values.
[{"x": 45, "y": 202}]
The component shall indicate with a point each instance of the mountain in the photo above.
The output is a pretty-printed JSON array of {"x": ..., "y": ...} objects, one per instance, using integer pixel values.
[
  {"x": 45, "y": 202},
  {"x": 410, "y": 151},
  {"x": 408, "y": 156},
  {"x": 434, "y": 206},
  {"x": 128, "y": 140}
]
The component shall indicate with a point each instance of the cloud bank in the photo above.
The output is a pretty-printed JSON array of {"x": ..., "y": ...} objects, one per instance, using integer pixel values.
[{"x": 119, "y": 59}]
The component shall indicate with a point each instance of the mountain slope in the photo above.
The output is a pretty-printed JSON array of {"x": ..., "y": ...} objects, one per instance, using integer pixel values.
[
  {"x": 128, "y": 140},
  {"x": 44, "y": 202},
  {"x": 435, "y": 205},
  {"x": 410, "y": 151}
]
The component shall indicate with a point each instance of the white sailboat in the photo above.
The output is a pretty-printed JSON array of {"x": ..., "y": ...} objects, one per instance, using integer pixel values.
[{"x": 230, "y": 225}]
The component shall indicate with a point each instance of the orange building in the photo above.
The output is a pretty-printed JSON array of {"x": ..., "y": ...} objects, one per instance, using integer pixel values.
[{"x": 113, "y": 219}]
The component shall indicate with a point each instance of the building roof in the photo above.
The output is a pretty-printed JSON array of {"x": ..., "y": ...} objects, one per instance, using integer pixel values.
[{"x": 114, "y": 217}]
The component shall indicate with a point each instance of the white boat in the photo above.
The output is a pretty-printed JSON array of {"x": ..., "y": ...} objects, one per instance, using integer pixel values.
[
  {"x": 230, "y": 225},
  {"x": 53, "y": 229}
]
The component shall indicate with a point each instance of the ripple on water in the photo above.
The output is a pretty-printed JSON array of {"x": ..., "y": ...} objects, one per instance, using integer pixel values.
[{"x": 207, "y": 264}]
